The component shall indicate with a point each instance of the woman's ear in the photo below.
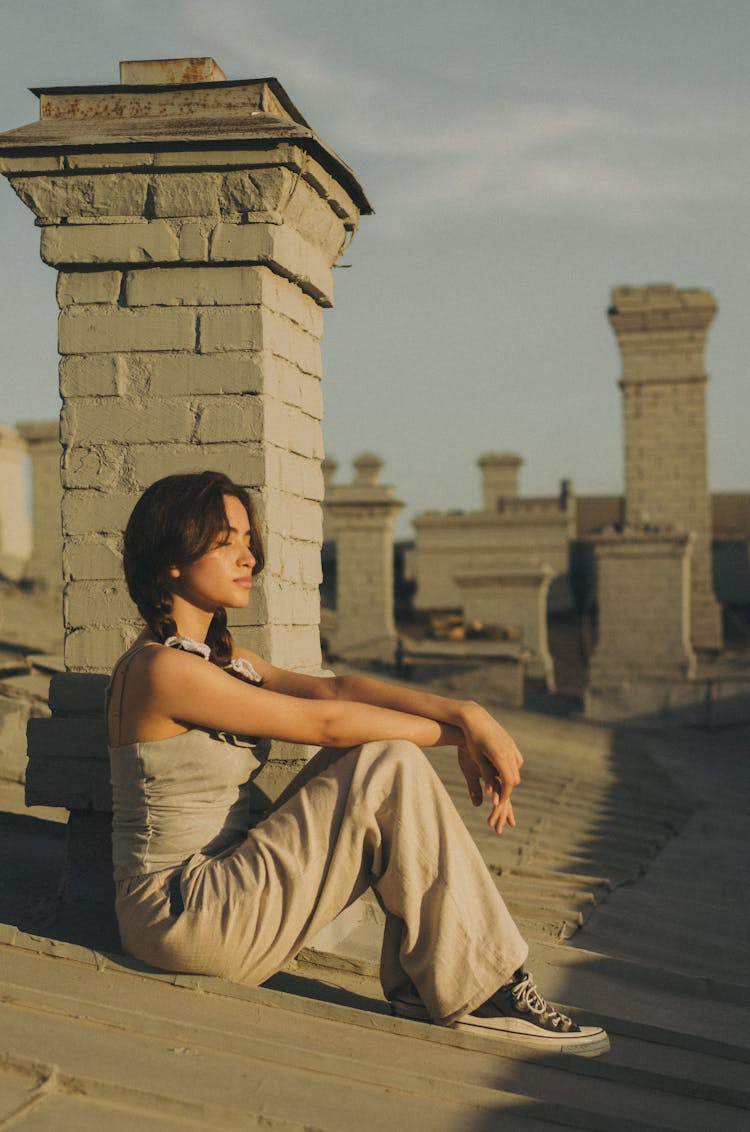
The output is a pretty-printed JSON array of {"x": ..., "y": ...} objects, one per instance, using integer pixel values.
[{"x": 174, "y": 571}]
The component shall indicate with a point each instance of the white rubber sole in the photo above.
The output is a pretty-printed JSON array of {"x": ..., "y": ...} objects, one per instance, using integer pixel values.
[{"x": 589, "y": 1041}]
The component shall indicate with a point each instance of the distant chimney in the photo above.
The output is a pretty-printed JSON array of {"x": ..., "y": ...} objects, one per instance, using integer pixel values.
[{"x": 500, "y": 472}]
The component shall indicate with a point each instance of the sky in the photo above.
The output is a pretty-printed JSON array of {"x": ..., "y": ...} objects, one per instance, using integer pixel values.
[{"x": 522, "y": 156}]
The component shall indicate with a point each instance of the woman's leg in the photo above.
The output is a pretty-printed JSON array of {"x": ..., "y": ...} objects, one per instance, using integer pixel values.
[{"x": 377, "y": 814}]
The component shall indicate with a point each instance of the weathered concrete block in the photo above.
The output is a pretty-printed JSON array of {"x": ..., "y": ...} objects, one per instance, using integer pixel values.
[
  {"x": 297, "y": 474},
  {"x": 295, "y": 387},
  {"x": 88, "y": 287},
  {"x": 100, "y": 603},
  {"x": 173, "y": 375},
  {"x": 100, "y": 375},
  {"x": 130, "y": 160},
  {"x": 231, "y": 328},
  {"x": 104, "y": 512},
  {"x": 299, "y": 562},
  {"x": 235, "y": 157},
  {"x": 85, "y": 419},
  {"x": 282, "y": 249},
  {"x": 294, "y": 517},
  {"x": 294, "y": 647},
  {"x": 194, "y": 237},
  {"x": 146, "y": 242},
  {"x": 88, "y": 558},
  {"x": 222, "y": 419},
  {"x": 255, "y": 328},
  {"x": 92, "y": 330},
  {"x": 273, "y": 603},
  {"x": 303, "y": 434},
  {"x": 96, "y": 649},
  {"x": 193, "y": 286},
  {"x": 74, "y": 694},
  {"x": 288, "y": 340},
  {"x": 285, "y": 297},
  {"x": 43, "y": 163},
  {"x": 186, "y": 194},
  {"x": 256, "y": 190},
  {"x": 100, "y": 466},
  {"x": 242, "y": 462},
  {"x": 68, "y": 765},
  {"x": 86, "y": 197},
  {"x": 315, "y": 220}
]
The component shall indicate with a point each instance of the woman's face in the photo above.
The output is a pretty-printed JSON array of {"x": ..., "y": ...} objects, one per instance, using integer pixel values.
[{"x": 223, "y": 575}]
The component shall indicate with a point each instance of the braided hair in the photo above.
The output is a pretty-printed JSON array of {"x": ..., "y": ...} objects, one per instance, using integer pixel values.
[{"x": 175, "y": 522}]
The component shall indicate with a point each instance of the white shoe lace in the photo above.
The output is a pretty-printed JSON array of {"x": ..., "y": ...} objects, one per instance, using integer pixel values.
[{"x": 528, "y": 1000}]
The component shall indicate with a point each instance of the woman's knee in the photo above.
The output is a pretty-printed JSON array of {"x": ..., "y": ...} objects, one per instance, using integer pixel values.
[{"x": 397, "y": 756}]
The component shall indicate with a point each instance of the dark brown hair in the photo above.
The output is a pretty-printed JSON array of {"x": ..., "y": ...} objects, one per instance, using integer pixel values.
[{"x": 175, "y": 522}]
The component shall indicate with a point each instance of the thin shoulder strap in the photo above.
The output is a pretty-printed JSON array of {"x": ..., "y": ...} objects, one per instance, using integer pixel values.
[{"x": 121, "y": 667}]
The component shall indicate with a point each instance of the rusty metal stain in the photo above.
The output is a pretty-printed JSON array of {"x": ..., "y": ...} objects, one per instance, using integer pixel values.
[{"x": 191, "y": 102}]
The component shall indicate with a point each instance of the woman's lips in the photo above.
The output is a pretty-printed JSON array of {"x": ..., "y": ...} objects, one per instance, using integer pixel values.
[{"x": 246, "y": 583}]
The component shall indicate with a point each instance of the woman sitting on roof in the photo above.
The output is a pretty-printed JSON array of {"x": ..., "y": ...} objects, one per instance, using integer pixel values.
[{"x": 198, "y": 890}]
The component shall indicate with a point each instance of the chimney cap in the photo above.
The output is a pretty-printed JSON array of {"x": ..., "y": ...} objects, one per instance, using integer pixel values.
[{"x": 155, "y": 72}]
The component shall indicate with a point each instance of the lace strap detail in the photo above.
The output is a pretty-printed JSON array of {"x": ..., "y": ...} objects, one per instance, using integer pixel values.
[{"x": 239, "y": 667}]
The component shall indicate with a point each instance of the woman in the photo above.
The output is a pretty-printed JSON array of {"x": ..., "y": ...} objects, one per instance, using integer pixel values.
[{"x": 197, "y": 890}]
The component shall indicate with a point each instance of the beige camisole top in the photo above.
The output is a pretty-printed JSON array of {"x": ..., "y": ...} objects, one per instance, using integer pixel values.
[{"x": 175, "y": 797}]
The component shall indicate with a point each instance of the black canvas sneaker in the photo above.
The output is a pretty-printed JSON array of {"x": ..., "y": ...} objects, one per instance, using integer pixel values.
[{"x": 518, "y": 1012}]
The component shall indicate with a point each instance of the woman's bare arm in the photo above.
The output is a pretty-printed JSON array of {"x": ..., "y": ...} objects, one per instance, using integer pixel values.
[
  {"x": 183, "y": 688},
  {"x": 488, "y": 755}
]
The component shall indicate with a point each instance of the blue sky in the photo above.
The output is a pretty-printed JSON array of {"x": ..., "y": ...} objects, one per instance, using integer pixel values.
[{"x": 522, "y": 157}]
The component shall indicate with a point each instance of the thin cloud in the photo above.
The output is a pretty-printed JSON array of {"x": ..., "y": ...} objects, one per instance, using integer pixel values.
[{"x": 423, "y": 154}]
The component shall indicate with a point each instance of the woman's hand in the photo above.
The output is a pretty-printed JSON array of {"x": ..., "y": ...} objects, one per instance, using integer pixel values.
[{"x": 488, "y": 755}]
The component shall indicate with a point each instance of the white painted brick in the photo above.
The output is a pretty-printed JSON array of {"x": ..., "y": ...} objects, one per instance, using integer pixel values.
[
  {"x": 285, "y": 297},
  {"x": 193, "y": 286},
  {"x": 86, "y": 464},
  {"x": 147, "y": 242},
  {"x": 296, "y": 474},
  {"x": 282, "y": 249},
  {"x": 287, "y": 340},
  {"x": 87, "y": 419},
  {"x": 300, "y": 389},
  {"x": 87, "y": 197},
  {"x": 314, "y": 219},
  {"x": 226, "y": 329},
  {"x": 337, "y": 197},
  {"x": 256, "y": 190},
  {"x": 91, "y": 330},
  {"x": 232, "y": 418},
  {"x": 96, "y": 650},
  {"x": 296, "y": 648},
  {"x": 242, "y": 462},
  {"x": 89, "y": 558},
  {"x": 87, "y": 511},
  {"x": 184, "y": 374},
  {"x": 186, "y": 194},
  {"x": 88, "y": 287},
  {"x": 305, "y": 435},
  {"x": 296, "y": 518},
  {"x": 102, "y": 375},
  {"x": 102, "y": 603},
  {"x": 231, "y": 328}
]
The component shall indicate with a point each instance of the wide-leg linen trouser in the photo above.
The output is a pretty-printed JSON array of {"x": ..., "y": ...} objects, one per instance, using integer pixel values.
[{"x": 375, "y": 815}]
